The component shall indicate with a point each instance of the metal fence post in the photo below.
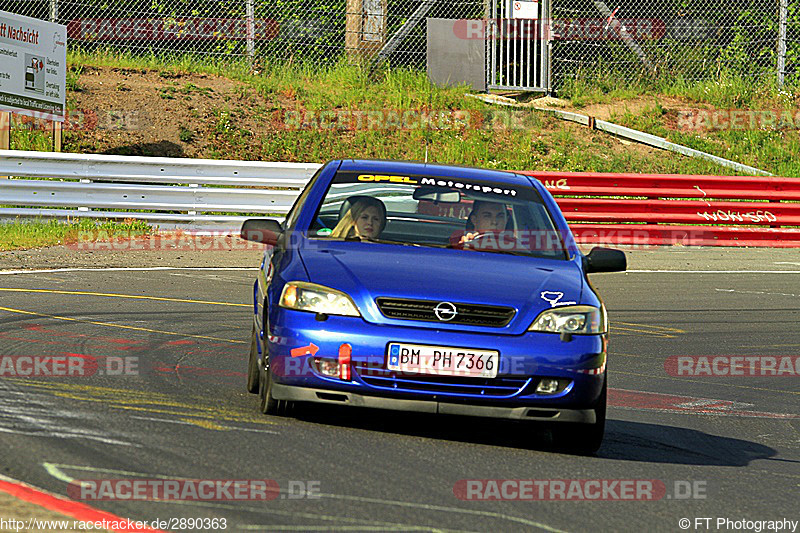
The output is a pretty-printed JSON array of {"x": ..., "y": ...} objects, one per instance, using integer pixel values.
[
  {"x": 251, "y": 45},
  {"x": 53, "y": 10},
  {"x": 783, "y": 7}
]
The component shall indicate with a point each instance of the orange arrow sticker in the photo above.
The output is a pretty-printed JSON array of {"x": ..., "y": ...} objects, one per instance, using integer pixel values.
[{"x": 311, "y": 349}]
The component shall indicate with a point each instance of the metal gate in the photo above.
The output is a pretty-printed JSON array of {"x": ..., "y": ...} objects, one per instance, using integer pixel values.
[{"x": 518, "y": 49}]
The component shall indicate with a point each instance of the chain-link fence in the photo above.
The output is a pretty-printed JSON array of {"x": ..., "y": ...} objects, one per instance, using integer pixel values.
[
  {"x": 591, "y": 40},
  {"x": 315, "y": 31},
  {"x": 659, "y": 39}
]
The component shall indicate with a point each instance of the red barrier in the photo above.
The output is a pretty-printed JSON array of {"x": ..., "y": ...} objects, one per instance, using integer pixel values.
[
  {"x": 589, "y": 198},
  {"x": 669, "y": 185},
  {"x": 680, "y": 211},
  {"x": 646, "y": 234}
]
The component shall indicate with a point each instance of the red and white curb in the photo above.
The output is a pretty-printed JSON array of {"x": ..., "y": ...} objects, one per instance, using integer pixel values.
[{"x": 59, "y": 504}]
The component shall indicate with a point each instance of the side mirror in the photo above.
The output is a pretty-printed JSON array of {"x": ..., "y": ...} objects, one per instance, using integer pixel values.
[
  {"x": 605, "y": 260},
  {"x": 263, "y": 230}
]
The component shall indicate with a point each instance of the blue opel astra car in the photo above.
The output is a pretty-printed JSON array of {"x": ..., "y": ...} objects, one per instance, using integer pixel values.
[{"x": 431, "y": 288}]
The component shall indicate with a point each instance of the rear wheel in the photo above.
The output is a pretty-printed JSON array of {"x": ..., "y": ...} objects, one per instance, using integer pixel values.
[
  {"x": 585, "y": 439},
  {"x": 252, "y": 364}
]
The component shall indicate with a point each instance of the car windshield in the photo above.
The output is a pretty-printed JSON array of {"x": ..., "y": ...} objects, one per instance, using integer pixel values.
[{"x": 456, "y": 213}]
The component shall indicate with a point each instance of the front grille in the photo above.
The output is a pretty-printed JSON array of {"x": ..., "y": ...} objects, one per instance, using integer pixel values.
[
  {"x": 463, "y": 386},
  {"x": 467, "y": 314}
]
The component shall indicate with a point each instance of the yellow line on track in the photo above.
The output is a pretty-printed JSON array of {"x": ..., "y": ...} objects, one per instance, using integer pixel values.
[
  {"x": 640, "y": 332},
  {"x": 120, "y": 326},
  {"x": 650, "y": 326},
  {"x": 128, "y": 296}
]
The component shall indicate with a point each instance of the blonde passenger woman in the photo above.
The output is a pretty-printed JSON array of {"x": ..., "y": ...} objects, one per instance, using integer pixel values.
[{"x": 365, "y": 218}]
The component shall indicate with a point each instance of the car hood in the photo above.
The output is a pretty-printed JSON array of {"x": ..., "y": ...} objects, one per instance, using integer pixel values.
[{"x": 367, "y": 271}]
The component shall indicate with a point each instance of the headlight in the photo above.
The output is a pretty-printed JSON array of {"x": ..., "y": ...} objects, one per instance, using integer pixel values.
[
  {"x": 577, "y": 319},
  {"x": 314, "y": 298}
]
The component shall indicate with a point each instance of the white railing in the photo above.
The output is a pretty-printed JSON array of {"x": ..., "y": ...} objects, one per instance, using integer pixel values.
[{"x": 168, "y": 190}]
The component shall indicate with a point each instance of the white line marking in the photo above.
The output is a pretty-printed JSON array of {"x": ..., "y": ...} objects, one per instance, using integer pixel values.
[
  {"x": 124, "y": 269},
  {"x": 786, "y": 263},
  {"x": 759, "y": 292},
  {"x": 57, "y": 471}
]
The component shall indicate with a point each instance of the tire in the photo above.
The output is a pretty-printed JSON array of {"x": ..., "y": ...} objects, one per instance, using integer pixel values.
[
  {"x": 252, "y": 364},
  {"x": 586, "y": 439},
  {"x": 268, "y": 404}
]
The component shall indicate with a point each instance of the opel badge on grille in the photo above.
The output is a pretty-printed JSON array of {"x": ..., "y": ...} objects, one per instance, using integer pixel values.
[{"x": 445, "y": 311}]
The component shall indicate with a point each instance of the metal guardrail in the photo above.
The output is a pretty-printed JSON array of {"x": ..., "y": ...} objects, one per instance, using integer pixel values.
[
  {"x": 176, "y": 191},
  {"x": 601, "y": 208},
  {"x": 154, "y": 169}
]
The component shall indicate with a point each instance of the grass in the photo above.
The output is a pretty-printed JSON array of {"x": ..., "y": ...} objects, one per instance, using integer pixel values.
[
  {"x": 25, "y": 234},
  {"x": 186, "y": 135},
  {"x": 282, "y": 102},
  {"x": 725, "y": 90}
]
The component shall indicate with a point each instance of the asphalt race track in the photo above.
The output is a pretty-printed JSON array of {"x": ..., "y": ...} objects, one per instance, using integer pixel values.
[{"x": 184, "y": 413}]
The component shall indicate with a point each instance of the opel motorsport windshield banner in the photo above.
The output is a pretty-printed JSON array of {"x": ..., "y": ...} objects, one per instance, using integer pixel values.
[{"x": 33, "y": 66}]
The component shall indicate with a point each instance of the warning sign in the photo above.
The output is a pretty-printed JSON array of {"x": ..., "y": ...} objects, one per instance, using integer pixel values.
[
  {"x": 33, "y": 66},
  {"x": 524, "y": 9}
]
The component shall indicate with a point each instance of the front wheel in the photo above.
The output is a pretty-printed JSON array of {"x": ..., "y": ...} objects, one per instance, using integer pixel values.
[
  {"x": 269, "y": 405},
  {"x": 586, "y": 439}
]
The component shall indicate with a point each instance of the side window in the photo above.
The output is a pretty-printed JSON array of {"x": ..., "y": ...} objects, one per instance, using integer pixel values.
[{"x": 291, "y": 217}]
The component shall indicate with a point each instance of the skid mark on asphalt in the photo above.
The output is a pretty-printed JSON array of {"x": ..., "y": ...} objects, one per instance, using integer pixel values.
[
  {"x": 121, "y": 326},
  {"x": 125, "y": 269},
  {"x": 40, "y": 415},
  {"x": 671, "y": 403},
  {"x": 57, "y": 470},
  {"x": 707, "y": 382},
  {"x": 382, "y": 527},
  {"x": 187, "y": 422},
  {"x": 204, "y": 416},
  {"x": 124, "y": 296},
  {"x": 644, "y": 330}
]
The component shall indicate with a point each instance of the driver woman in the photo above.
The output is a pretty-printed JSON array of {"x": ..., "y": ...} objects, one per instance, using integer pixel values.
[{"x": 365, "y": 219}]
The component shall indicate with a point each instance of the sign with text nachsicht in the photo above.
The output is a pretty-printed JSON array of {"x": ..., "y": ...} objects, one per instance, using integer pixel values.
[{"x": 33, "y": 66}]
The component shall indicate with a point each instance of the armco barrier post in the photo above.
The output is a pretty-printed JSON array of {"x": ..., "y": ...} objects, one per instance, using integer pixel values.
[{"x": 5, "y": 132}]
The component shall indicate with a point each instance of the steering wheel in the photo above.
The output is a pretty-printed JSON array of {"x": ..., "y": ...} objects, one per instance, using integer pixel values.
[{"x": 492, "y": 240}]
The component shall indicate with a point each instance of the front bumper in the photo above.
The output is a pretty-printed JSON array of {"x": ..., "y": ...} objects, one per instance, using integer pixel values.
[
  {"x": 338, "y": 397},
  {"x": 530, "y": 356}
]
